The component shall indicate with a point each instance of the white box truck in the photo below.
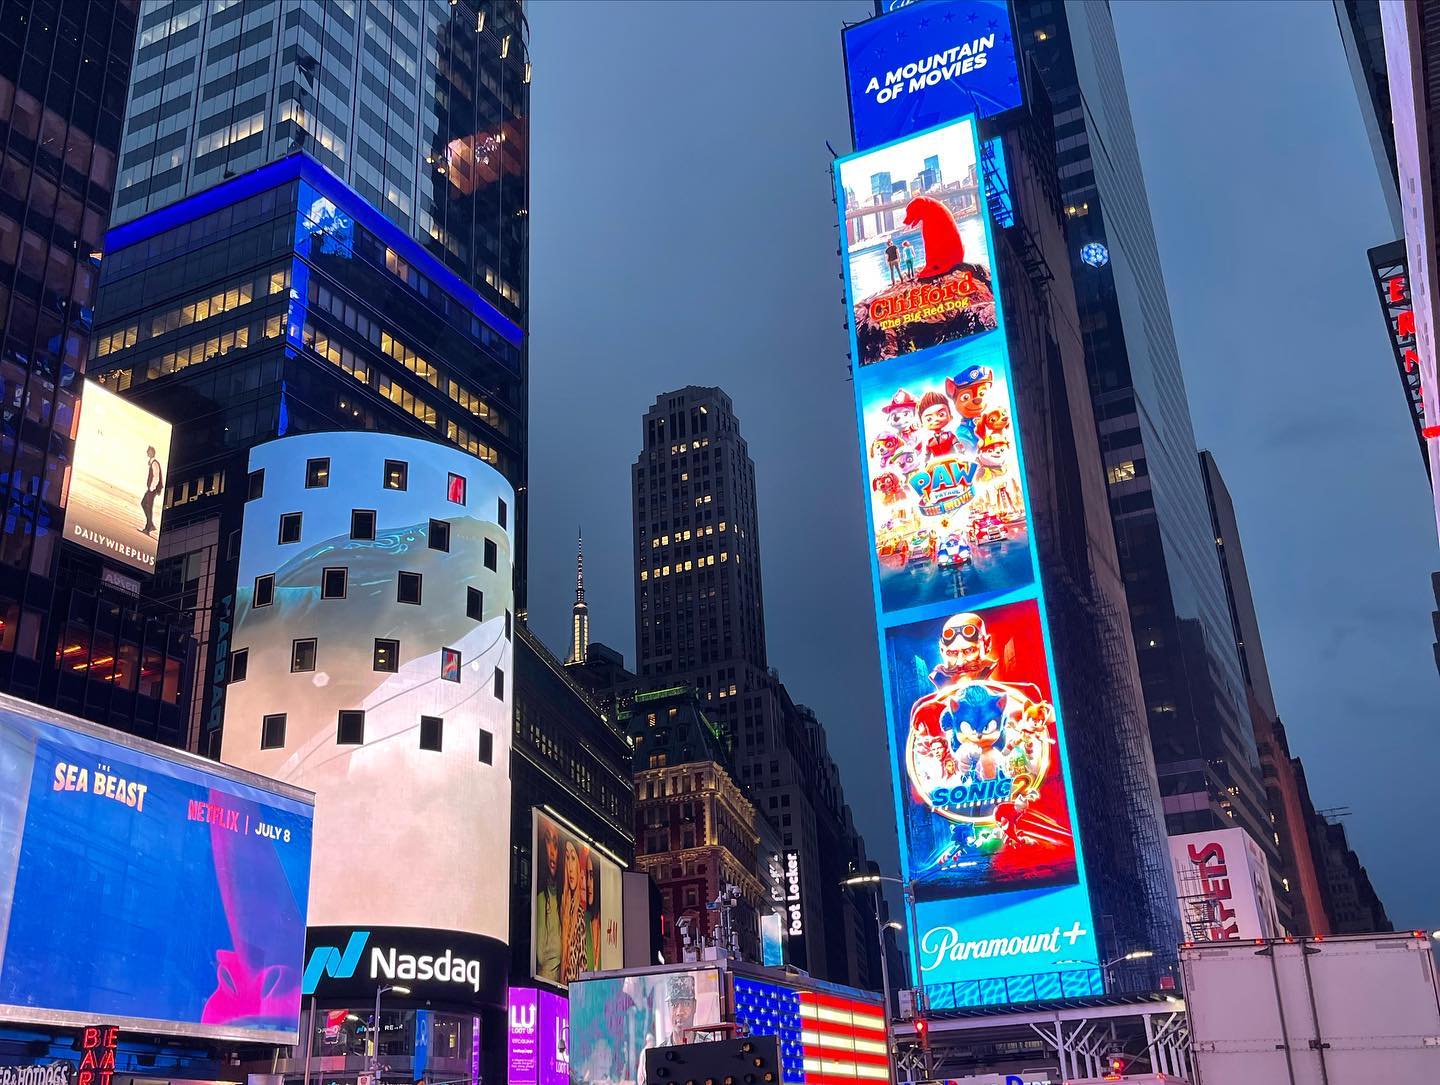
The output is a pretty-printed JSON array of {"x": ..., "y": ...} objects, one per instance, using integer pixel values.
[{"x": 1356, "y": 1009}]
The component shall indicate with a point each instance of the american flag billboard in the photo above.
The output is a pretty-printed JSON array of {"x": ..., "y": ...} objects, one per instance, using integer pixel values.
[{"x": 825, "y": 1039}]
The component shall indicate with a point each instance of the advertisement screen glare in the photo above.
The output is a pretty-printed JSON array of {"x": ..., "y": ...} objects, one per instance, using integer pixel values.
[
  {"x": 575, "y": 905},
  {"x": 117, "y": 480},
  {"x": 917, "y": 254},
  {"x": 986, "y": 819},
  {"x": 614, "y": 1021},
  {"x": 142, "y": 889},
  {"x": 927, "y": 62}
]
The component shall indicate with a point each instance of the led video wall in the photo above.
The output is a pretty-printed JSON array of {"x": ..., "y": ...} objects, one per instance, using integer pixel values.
[{"x": 986, "y": 819}]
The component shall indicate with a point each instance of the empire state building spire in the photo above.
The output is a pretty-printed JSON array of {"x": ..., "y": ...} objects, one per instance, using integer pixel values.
[{"x": 579, "y": 613}]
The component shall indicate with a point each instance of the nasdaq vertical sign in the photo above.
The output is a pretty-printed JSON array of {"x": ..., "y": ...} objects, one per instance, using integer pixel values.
[
  {"x": 986, "y": 819},
  {"x": 923, "y": 63}
]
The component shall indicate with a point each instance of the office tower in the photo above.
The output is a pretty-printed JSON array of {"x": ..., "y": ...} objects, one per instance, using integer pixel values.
[
  {"x": 700, "y": 621},
  {"x": 266, "y": 283},
  {"x": 579, "y": 612},
  {"x": 1203, "y": 746},
  {"x": 1297, "y": 886},
  {"x": 68, "y": 637}
]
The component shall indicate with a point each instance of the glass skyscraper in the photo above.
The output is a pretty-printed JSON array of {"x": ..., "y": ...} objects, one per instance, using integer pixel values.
[
  {"x": 420, "y": 106},
  {"x": 1204, "y": 748},
  {"x": 66, "y": 637},
  {"x": 321, "y": 224}
]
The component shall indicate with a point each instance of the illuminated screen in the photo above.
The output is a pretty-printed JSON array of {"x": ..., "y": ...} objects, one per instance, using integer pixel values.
[
  {"x": 614, "y": 1021},
  {"x": 351, "y": 627},
  {"x": 825, "y": 1039},
  {"x": 929, "y": 62},
  {"x": 917, "y": 250},
  {"x": 986, "y": 820},
  {"x": 139, "y": 888},
  {"x": 117, "y": 478},
  {"x": 574, "y": 903}
]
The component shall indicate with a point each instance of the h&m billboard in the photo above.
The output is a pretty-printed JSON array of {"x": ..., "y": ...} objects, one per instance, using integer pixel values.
[
  {"x": 987, "y": 823},
  {"x": 577, "y": 918},
  {"x": 925, "y": 62}
]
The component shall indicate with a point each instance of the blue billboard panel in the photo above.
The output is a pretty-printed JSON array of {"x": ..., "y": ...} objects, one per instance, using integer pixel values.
[
  {"x": 928, "y": 62},
  {"x": 137, "y": 887},
  {"x": 979, "y": 776},
  {"x": 988, "y": 835}
]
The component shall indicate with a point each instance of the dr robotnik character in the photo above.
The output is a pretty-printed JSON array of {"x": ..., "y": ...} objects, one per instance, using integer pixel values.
[{"x": 965, "y": 651}]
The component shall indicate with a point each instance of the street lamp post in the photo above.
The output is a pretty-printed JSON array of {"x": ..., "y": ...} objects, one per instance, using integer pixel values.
[
  {"x": 1107, "y": 966},
  {"x": 375, "y": 1029},
  {"x": 873, "y": 881}
]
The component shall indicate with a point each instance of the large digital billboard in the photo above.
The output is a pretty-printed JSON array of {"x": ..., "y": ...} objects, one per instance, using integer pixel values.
[
  {"x": 986, "y": 819},
  {"x": 575, "y": 905},
  {"x": 140, "y": 887},
  {"x": 926, "y": 62},
  {"x": 917, "y": 250},
  {"x": 615, "y": 1020},
  {"x": 116, "y": 494},
  {"x": 371, "y": 663}
]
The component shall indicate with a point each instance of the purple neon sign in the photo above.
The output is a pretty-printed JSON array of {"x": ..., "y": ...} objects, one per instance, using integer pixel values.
[{"x": 539, "y": 1039}]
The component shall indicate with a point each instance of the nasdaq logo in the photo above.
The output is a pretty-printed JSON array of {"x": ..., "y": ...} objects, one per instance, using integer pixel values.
[{"x": 330, "y": 961}]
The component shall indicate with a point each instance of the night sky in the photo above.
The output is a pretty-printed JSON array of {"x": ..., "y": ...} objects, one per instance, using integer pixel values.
[{"x": 683, "y": 233}]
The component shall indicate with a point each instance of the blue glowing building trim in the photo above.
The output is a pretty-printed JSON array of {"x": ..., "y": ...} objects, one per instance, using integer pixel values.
[{"x": 303, "y": 167}]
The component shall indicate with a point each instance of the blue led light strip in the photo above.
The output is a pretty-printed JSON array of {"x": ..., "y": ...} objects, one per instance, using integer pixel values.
[{"x": 302, "y": 166}]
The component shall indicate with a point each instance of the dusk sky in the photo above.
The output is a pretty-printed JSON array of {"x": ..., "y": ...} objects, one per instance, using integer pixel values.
[{"x": 683, "y": 233}]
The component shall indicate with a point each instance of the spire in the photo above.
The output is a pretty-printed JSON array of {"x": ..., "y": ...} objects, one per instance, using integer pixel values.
[
  {"x": 579, "y": 566},
  {"x": 579, "y": 613}
]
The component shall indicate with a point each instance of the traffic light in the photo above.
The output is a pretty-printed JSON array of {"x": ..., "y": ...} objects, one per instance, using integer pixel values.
[
  {"x": 922, "y": 1032},
  {"x": 1116, "y": 1065},
  {"x": 749, "y": 1060}
]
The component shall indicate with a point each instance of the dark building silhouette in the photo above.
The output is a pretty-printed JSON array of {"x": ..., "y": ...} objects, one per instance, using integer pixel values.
[
  {"x": 1194, "y": 692},
  {"x": 68, "y": 637},
  {"x": 700, "y": 622},
  {"x": 1353, "y": 905},
  {"x": 1297, "y": 891}
]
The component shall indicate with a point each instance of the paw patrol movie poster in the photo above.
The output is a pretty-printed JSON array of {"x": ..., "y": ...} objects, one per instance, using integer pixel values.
[
  {"x": 916, "y": 251},
  {"x": 947, "y": 506},
  {"x": 980, "y": 778}
]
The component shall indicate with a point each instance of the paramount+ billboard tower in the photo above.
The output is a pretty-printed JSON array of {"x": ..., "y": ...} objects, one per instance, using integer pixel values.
[{"x": 969, "y": 541}]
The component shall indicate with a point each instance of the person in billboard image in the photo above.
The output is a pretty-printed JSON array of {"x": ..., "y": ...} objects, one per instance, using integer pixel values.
[
  {"x": 917, "y": 201},
  {"x": 548, "y": 911},
  {"x": 154, "y": 486},
  {"x": 978, "y": 745},
  {"x": 580, "y": 913},
  {"x": 946, "y": 501}
]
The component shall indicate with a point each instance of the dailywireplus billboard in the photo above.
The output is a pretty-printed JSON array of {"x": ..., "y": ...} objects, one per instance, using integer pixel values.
[
  {"x": 927, "y": 62},
  {"x": 987, "y": 823},
  {"x": 142, "y": 888},
  {"x": 116, "y": 494}
]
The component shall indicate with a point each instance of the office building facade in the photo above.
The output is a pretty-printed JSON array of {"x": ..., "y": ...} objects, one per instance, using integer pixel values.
[
  {"x": 699, "y": 621},
  {"x": 273, "y": 297},
  {"x": 73, "y": 632},
  {"x": 1194, "y": 698},
  {"x": 1296, "y": 882}
]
